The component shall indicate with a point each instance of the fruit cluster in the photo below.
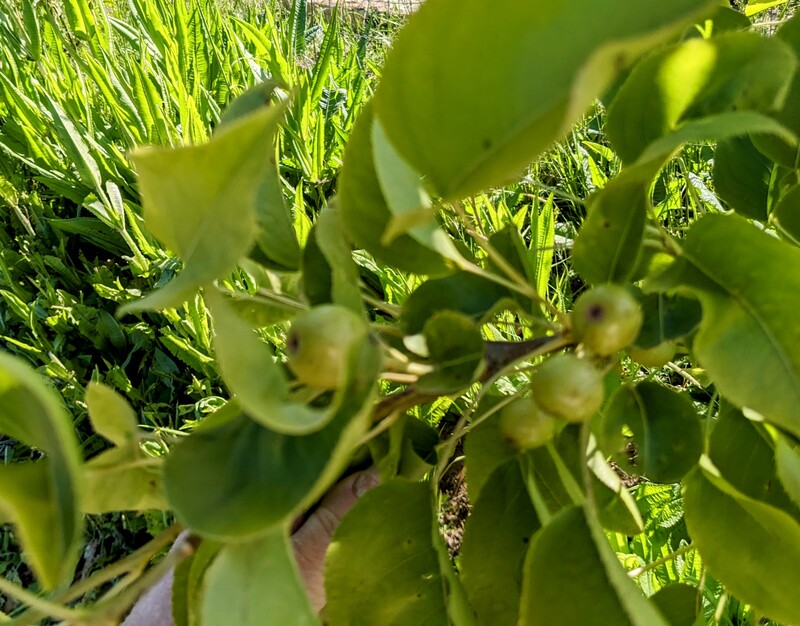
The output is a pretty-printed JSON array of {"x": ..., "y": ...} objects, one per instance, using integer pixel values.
[{"x": 568, "y": 387}]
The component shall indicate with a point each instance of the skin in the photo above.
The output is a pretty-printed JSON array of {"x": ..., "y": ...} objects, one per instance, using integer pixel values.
[{"x": 310, "y": 542}]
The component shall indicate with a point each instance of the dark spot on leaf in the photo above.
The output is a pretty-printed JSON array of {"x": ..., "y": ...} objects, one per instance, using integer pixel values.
[
  {"x": 606, "y": 224},
  {"x": 487, "y": 144}
]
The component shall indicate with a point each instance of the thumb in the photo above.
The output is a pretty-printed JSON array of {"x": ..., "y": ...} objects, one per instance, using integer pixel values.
[{"x": 312, "y": 539}]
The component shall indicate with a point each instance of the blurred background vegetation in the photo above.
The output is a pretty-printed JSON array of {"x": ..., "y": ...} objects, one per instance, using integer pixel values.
[{"x": 83, "y": 82}]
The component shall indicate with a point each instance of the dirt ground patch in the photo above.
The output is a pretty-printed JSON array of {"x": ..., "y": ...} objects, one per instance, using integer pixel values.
[{"x": 385, "y": 6}]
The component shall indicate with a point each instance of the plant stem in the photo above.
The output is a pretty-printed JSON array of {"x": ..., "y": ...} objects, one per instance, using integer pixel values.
[
  {"x": 43, "y": 606},
  {"x": 658, "y": 562},
  {"x": 113, "y": 606},
  {"x": 135, "y": 560},
  {"x": 504, "y": 356}
]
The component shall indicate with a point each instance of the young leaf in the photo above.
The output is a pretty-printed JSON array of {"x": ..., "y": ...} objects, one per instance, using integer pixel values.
[
  {"x": 666, "y": 431},
  {"x": 744, "y": 543},
  {"x": 496, "y": 539},
  {"x": 121, "y": 479},
  {"x": 411, "y": 207},
  {"x": 336, "y": 251},
  {"x": 42, "y": 498},
  {"x": 392, "y": 576},
  {"x": 201, "y": 202},
  {"x": 571, "y": 576},
  {"x": 512, "y": 105},
  {"x": 749, "y": 289},
  {"x": 250, "y": 581}
]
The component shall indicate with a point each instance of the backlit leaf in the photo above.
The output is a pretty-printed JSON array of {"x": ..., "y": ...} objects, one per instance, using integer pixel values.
[
  {"x": 201, "y": 202},
  {"x": 509, "y": 106}
]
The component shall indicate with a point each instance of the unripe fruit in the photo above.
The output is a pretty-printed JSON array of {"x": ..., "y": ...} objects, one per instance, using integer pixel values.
[
  {"x": 318, "y": 343},
  {"x": 568, "y": 387},
  {"x": 524, "y": 425},
  {"x": 606, "y": 319},
  {"x": 657, "y": 356}
]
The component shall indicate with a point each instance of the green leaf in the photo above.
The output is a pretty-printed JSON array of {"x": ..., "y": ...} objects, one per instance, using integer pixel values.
[
  {"x": 542, "y": 247},
  {"x": 316, "y": 273},
  {"x": 741, "y": 451},
  {"x": 749, "y": 286},
  {"x": 474, "y": 296},
  {"x": 666, "y": 431},
  {"x": 677, "y": 603},
  {"x": 745, "y": 544},
  {"x": 616, "y": 507},
  {"x": 485, "y": 447},
  {"x": 251, "y": 581},
  {"x": 573, "y": 577},
  {"x": 365, "y": 212},
  {"x": 694, "y": 79},
  {"x": 455, "y": 348},
  {"x": 513, "y": 103},
  {"x": 741, "y": 176},
  {"x": 187, "y": 581},
  {"x": 496, "y": 539},
  {"x": 202, "y": 202},
  {"x": 610, "y": 241},
  {"x": 122, "y": 479},
  {"x": 253, "y": 478},
  {"x": 111, "y": 415},
  {"x": 776, "y": 148},
  {"x": 508, "y": 243},
  {"x": 392, "y": 576},
  {"x": 406, "y": 198},
  {"x": 249, "y": 369},
  {"x": 408, "y": 450},
  {"x": 43, "y": 498},
  {"x": 719, "y": 126},
  {"x": 666, "y": 318},
  {"x": 336, "y": 251},
  {"x": 787, "y": 461},
  {"x": 787, "y": 213}
]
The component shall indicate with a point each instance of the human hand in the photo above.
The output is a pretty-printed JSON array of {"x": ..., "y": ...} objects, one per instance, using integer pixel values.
[{"x": 310, "y": 542}]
